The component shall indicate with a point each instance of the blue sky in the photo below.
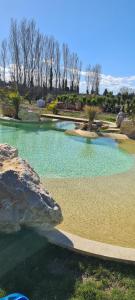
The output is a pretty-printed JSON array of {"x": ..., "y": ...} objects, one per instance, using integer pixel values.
[{"x": 100, "y": 31}]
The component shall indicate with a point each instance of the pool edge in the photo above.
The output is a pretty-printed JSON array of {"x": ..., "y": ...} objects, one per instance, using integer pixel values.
[{"x": 90, "y": 247}]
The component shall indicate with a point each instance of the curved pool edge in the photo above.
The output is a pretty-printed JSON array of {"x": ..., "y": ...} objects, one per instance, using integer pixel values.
[
  {"x": 87, "y": 247},
  {"x": 8, "y": 120}
]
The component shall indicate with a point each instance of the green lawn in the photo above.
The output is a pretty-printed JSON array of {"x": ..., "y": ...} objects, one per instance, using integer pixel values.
[{"x": 52, "y": 273}]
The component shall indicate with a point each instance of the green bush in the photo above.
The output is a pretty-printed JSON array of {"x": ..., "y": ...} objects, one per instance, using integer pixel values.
[
  {"x": 10, "y": 103},
  {"x": 53, "y": 106},
  {"x": 15, "y": 99},
  {"x": 8, "y": 110},
  {"x": 91, "y": 112}
]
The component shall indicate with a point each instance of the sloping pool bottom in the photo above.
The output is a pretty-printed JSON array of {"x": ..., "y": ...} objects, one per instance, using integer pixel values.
[{"x": 100, "y": 208}]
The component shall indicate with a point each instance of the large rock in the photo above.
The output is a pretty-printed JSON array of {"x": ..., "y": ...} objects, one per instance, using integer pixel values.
[
  {"x": 23, "y": 200},
  {"x": 128, "y": 128},
  {"x": 120, "y": 118}
]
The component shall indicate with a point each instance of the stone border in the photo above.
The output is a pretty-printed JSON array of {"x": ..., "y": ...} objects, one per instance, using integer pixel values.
[
  {"x": 82, "y": 133},
  {"x": 90, "y": 247},
  {"x": 11, "y": 120},
  {"x": 92, "y": 134}
]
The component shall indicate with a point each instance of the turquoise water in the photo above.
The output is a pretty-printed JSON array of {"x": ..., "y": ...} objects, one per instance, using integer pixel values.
[
  {"x": 65, "y": 125},
  {"x": 54, "y": 154}
]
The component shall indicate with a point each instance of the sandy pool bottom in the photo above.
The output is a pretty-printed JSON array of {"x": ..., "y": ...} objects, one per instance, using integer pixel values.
[{"x": 99, "y": 208}]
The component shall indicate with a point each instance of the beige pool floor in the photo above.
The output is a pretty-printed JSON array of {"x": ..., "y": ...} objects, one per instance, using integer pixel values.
[{"x": 99, "y": 208}]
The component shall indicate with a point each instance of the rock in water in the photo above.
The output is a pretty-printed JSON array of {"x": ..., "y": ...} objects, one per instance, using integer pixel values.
[{"x": 23, "y": 200}]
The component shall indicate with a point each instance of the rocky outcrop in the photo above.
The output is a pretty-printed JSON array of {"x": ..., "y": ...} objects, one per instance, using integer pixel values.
[
  {"x": 120, "y": 118},
  {"x": 23, "y": 200},
  {"x": 83, "y": 133},
  {"x": 128, "y": 128}
]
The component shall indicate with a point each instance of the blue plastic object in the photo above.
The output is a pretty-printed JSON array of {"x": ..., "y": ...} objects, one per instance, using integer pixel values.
[{"x": 15, "y": 296}]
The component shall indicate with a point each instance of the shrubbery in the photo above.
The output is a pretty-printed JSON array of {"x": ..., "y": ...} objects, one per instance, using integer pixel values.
[
  {"x": 91, "y": 112},
  {"x": 107, "y": 102},
  {"x": 53, "y": 106},
  {"x": 10, "y": 102}
]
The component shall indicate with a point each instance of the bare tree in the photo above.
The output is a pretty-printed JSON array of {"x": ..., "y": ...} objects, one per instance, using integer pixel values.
[
  {"x": 32, "y": 60},
  {"x": 38, "y": 60},
  {"x": 3, "y": 58},
  {"x": 51, "y": 47},
  {"x": 41, "y": 64},
  {"x": 79, "y": 69},
  {"x": 74, "y": 72},
  {"x": 88, "y": 78},
  {"x": 38, "y": 57},
  {"x": 45, "y": 66},
  {"x": 65, "y": 65},
  {"x": 57, "y": 63},
  {"x": 25, "y": 46},
  {"x": 14, "y": 46},
  {"x": 96, "y": 77},
  {"x": 77, "y": 72}
]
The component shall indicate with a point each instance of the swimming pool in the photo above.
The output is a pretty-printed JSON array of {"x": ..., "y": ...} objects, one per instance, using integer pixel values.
[{"x": 91, "y": 179}]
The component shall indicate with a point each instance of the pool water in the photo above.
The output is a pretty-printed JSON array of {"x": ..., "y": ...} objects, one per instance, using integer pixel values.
[
  {"x": 66, "y": 125},
  {"x": 54, "y": 154},
  {"x": 91, "y": 179}
]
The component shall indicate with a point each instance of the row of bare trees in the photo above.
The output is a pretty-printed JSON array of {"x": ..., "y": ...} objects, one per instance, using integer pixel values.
[
  {"x": 34, "y": 59},
  {"x": 93, "y": 78}
]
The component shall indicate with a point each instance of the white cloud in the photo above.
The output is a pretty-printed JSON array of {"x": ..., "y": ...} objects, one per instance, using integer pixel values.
[
  {"x": 112, "y": 83},
  {"x": 115, "y": 83}
]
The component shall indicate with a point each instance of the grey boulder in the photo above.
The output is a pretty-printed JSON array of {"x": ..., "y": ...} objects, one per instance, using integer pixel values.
[{"x": 23, "y": 200}]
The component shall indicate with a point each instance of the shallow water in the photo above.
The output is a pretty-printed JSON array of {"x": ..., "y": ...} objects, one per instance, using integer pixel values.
[
  {"x": 92, "y": 180},
  {"x": 54, "y": 154},
  {"x": 99, "y": 208}
]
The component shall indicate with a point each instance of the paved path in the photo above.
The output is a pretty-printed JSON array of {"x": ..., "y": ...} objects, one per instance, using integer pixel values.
[
  {"x": 89, "y": 247},
  {"x": 65, "y": 118},
  {"x": 73, "y": 119}
]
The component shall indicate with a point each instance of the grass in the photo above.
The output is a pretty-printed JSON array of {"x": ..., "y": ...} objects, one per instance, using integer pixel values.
[{"x": 53, "y": 273}]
